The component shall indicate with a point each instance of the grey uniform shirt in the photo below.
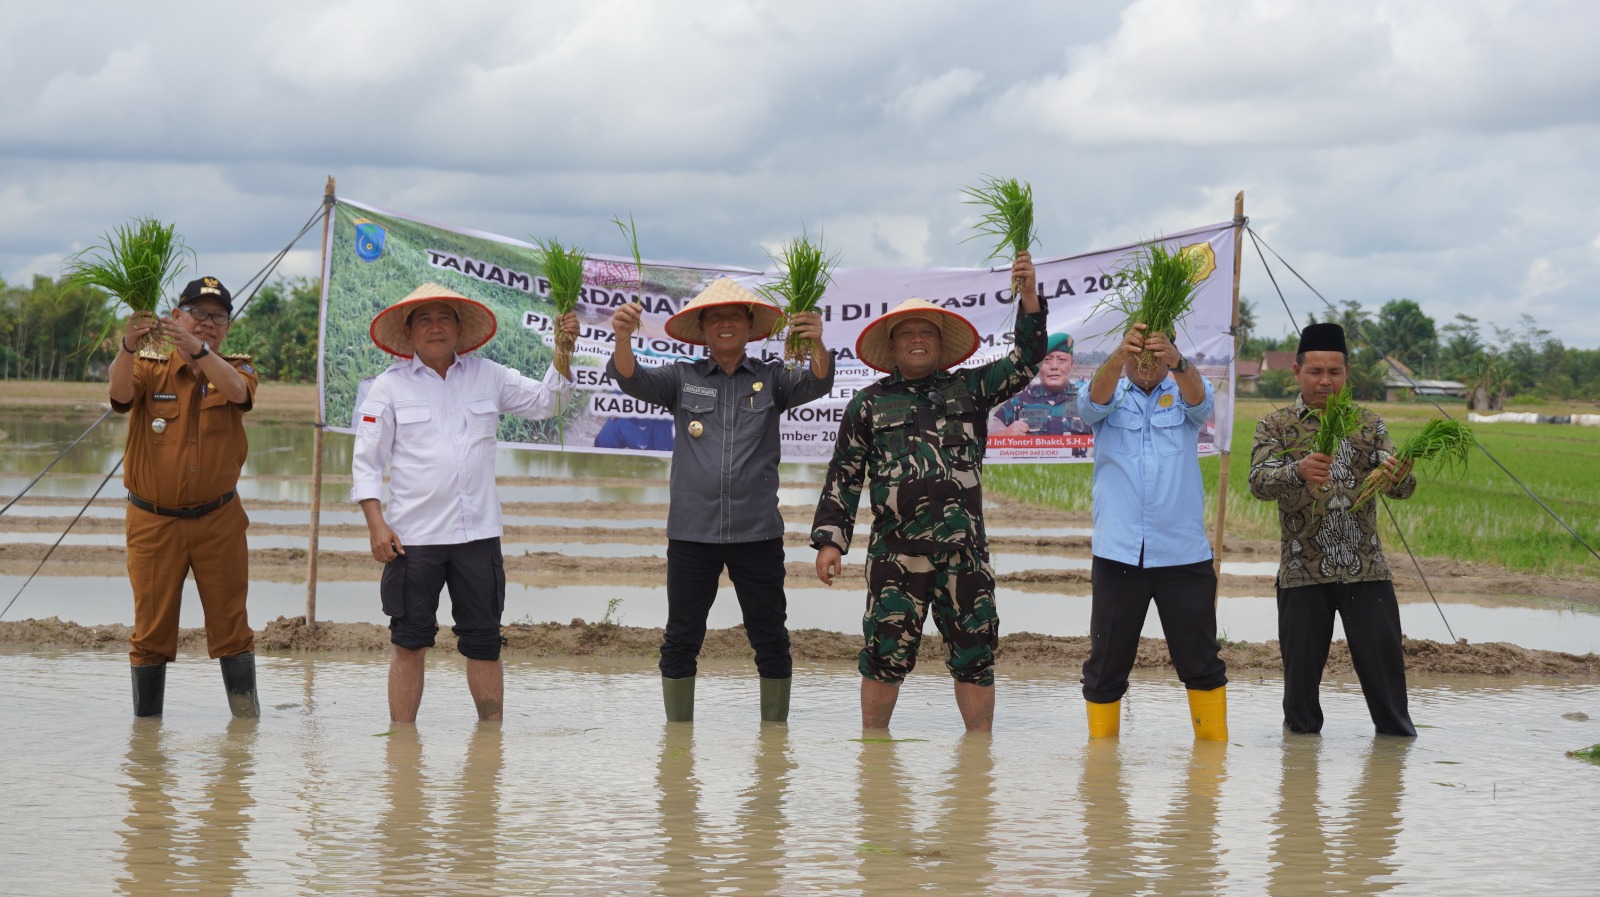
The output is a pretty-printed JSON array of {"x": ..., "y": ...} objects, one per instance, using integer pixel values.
[{"x": 724, "y": 481}]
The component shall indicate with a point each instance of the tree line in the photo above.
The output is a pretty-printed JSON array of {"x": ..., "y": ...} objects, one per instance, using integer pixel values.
[
  {"x": 1524, "y": 360},
  {"x": 57, "y": 330},
  {"x": 53, "y": 330}
]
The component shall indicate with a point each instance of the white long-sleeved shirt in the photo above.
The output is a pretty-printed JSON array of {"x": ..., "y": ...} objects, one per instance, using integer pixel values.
[{"x": 436, "y": 436}]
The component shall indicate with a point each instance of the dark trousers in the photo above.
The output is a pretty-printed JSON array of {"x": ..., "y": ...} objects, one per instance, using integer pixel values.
[
  {"x": 1185, "y": 597},
  {"x": 474, "y": 572},
  {"x": 1371, "y": 616},
  {"x": 756, "y": 568}
]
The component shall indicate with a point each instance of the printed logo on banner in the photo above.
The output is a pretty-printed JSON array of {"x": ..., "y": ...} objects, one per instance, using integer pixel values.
[
  {"x": 369, "y": 240},
  {"x": 1207, "y": 257}
]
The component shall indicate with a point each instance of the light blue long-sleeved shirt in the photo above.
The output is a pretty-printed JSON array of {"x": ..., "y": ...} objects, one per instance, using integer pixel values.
[{"x": 1147, "y": 489}]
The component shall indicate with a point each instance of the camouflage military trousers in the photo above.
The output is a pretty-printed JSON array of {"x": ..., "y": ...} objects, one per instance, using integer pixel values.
[{"x": 958, "y": 585}]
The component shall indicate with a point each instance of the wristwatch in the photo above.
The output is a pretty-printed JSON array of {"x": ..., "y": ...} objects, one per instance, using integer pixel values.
[
  {"x": 204, "y": 351},
  {"x": 1183, "y": 365}
]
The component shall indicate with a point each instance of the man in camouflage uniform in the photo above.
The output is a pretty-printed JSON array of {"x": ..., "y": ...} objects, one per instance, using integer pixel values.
[
  {"x": 919, "y": 433},
  {"x": 1332, "y": 561},
  {"x": 1049, "y": 405}
]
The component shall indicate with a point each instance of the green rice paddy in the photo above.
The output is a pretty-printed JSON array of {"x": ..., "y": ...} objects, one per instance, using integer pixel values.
[{"x": 1480, "y": 516}]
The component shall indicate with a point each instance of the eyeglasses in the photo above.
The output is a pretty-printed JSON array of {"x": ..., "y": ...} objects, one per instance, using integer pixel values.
[{"x": 219, "y": 318}]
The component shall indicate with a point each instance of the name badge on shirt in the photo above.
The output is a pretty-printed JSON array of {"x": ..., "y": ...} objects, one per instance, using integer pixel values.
[
  {"x": 700, "y": 390},
  {"x": 164, "y": 396}
]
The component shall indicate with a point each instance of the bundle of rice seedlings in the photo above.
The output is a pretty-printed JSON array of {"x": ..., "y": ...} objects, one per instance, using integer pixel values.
[
  {"x": 1159, "y": 292},
  {"x": 1340, "y": 416},
  {"x": 1440, "y": 446},
  {"x": 806, "y": 275},
  {"x": 135, "y": 263},
  {"x": 632, "y": 233},
  {"x": 563, "y": 267},
  {"x": 1008, "y": 219}
]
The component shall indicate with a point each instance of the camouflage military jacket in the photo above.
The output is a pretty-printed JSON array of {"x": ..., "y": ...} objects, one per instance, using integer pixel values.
[
  {"x": 921, "y": 443},
  {"x": 1323, "y": 540}
]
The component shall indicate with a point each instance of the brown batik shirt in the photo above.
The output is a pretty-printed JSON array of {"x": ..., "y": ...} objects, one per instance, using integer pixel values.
[{"x": 1324, "y": 540}]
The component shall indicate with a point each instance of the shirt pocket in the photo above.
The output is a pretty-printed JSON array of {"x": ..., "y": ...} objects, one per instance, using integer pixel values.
[
  {"x": 1169, "y": 430},
  {"x": 891, "y": 435},
  {"x": 758, "y": 402},
  {"x": 165, "y": 426},
  {"x": 1121, "y": 434},
  {"x": 483, "y": 421},
  {"x": 697, "y": 406},
  {"x": 413, "y": 418},
  {"x": 958, "y": 433},
  {"x": 216, "y": 413}
]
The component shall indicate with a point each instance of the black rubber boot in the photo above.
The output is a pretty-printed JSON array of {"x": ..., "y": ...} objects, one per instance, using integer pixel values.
[
  {"x": 239, "y": 677},
  {"x": 149, "y": 689},
  {"x": 775, "y": 700},
  {"x": 678, "y": 695}
]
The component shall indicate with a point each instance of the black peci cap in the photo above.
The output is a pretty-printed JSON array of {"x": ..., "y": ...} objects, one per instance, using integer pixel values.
[
  {"x": 206, "y": 288},
  {"x": 1322, "y": 338}
]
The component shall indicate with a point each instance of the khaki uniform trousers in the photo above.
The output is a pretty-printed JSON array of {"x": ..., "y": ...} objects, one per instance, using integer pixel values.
[{"x": 161, "y": 552}]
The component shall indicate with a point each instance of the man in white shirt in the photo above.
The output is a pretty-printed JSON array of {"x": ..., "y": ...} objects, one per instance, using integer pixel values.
[{"x": 431, "y": 419}]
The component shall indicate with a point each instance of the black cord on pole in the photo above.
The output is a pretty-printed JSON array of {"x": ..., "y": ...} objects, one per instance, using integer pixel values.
[
  {"x": 63, "y": 535},
  {"x": 1418, "y": 564},
  {"x": 58, "y": 457}
]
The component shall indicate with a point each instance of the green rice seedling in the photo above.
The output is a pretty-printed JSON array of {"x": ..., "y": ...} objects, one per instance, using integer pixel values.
[
  {"x": 1441, "y": 446},
  {"x": 1158, "y": 291},
  {"x": 135, "y": 263},
  {"x": 1340, "y": 416},
  {"x": 563, "y": 268},
  {"x": 1007, "y": 219},
  {"x": 806, "y": 274},
  {"x": 1590, "y": 753},
  {"x": 632, "y": 233}
]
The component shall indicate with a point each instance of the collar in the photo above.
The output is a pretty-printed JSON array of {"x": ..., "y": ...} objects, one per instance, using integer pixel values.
[
  {"x": 415, "y": 365},
  {"x": 898, "y": 379},
  {"x": 707, "y": 365},
  {"x": 1300, "y": 409}
]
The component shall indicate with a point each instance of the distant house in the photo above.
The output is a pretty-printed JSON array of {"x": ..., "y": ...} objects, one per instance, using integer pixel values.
[
  {"x": 1276, "y": 360},
  {"x": 1247, "y": 375},
  {"x": 1399, "y": 381}
]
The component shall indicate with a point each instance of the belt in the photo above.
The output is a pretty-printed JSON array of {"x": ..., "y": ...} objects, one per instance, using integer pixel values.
[{"x": 181, "y": 513}]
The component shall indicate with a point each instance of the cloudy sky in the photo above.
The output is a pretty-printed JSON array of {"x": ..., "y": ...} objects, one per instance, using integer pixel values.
[{"x": 1445, "y": 151}]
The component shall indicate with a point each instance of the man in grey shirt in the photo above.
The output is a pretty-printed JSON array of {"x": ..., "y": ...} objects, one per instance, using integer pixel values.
[{"x": 725, "y": 449}]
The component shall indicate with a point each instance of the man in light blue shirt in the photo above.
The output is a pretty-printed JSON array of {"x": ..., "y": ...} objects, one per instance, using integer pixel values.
[{"x": 1146, "y": 407}]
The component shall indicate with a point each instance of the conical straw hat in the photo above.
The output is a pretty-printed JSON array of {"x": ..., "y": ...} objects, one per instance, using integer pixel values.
[
  {"x": 959, "y": 339},
  {"x": 389, "y": 327},
  {"x": 685, "y": 325}
]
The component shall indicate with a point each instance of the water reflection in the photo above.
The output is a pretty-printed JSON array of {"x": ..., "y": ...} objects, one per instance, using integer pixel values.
[
  {"x": 170, "y": 844},
  {"x": 1175, "y": 852},
  {"x": 905, "y": 846},
  {"x": 1320, "y": 846},
  {"x": 404, "y": 829},
  {"x": 708, "y": 842}
]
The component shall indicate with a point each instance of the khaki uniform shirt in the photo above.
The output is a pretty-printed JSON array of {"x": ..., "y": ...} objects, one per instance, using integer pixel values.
[{"x": 186, "y": 442}]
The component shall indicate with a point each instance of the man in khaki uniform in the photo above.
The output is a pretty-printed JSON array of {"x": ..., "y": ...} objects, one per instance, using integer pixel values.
[{"x": 186, "y": 445}]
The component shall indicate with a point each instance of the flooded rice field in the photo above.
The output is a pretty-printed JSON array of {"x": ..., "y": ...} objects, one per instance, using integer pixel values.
[{"x": 582, "y": 790}]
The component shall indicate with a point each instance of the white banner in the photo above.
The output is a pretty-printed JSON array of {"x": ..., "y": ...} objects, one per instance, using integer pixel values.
[{"x": 371, "y": 251}]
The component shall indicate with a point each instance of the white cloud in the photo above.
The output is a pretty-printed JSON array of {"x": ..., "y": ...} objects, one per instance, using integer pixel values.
[
  {"x": 922, "y": 103},
  {"x": 1304, "y": 73}
]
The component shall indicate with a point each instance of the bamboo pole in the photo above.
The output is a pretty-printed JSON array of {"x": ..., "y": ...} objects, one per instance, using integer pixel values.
[
  {"x": 320, "y": 425},
  {"x": 1222, "y": 471}
]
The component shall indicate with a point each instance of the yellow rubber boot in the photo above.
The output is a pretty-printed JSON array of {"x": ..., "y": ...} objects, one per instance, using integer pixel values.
[
  {"x": 1105, "y": 720},
  {"x": 1209, "y": 711}
]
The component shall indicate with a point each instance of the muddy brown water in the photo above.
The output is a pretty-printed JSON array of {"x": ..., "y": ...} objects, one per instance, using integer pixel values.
[{"x": 584, "y": 790}]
